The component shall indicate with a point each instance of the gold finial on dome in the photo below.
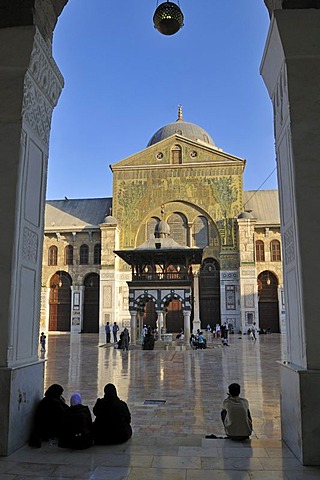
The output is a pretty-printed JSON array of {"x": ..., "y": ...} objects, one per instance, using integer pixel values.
[{"x": 179, "y": 113}]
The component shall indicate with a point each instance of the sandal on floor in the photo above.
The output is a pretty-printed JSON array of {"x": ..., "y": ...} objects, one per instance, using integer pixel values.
[{"x": 211, "y": 436}]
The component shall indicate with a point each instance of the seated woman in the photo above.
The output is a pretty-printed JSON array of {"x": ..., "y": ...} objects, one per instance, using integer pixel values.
[
  {"x": 49, "y": 416},
  {"x": 77, "y": 431},
  {"x": 113, "y": 418}
]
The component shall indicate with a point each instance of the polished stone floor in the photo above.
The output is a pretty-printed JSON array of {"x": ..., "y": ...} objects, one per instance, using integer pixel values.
[{"x": 169, "y": 436}]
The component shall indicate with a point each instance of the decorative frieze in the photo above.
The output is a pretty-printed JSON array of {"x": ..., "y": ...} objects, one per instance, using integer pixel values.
[
  {"x": 248, "y": 295},
  {"x": 42, "y": 87},
  {"x": 30, "y": 245},
  {"x": 289, "y": 250}
]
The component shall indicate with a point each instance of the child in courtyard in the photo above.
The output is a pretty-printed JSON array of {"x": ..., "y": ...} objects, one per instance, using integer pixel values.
[{"x": 43, "y": 342}]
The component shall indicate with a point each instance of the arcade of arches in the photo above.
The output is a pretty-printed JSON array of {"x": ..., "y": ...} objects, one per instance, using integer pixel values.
[{"x": 184, "y": 165}]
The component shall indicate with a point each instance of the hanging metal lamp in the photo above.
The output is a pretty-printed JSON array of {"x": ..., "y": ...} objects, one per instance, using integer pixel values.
[{"x": 168, "y": 18}]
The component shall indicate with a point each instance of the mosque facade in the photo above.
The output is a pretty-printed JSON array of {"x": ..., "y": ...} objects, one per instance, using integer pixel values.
[{"x": 220, "y": 263}]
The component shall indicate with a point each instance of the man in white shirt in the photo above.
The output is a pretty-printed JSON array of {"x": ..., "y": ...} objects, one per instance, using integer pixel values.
[{"x": 235, "y": 415}]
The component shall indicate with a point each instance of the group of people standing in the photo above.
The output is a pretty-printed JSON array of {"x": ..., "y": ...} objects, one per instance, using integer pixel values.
[
  {"x": 124, "y": 340},
  {"x": 72, "y": 426}
]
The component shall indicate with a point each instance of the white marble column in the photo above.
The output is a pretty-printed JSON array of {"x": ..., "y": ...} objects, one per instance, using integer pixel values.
[
  {"x": 133, "y": 327},
  {"x": 186, "y": 326},
  {"x": 196, "y": 303},
  {"x": 77, "y": 296},
  {"x": 30, "y": 87},
  {"x": 160, "y": 323},
  {"x": 291, "y": 71}
]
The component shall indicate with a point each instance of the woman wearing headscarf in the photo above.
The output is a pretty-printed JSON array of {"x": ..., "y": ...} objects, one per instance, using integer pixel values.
[
  {"x": 49, "y": 416},
  {"x": 77, "y": 431},
  {"x": 113, "y": 418}
]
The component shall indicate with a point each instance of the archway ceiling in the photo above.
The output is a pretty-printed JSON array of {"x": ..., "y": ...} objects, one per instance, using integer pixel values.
[{"x": 41, "y": 13}]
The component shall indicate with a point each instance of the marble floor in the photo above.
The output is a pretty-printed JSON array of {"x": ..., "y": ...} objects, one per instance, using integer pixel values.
[{"x": 187, "y": 388}]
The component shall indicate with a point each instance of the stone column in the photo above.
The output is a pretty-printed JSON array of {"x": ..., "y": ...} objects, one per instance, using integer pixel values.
[
  {"x": 76, "y": 308},
  {"x": 160, "y": 323},
  {"x": 30, "y": 85},
  {"x": 291, "y": 72},
  {"x": 196, "y": 303},
  {"x": 133, "y": 327},
  {"x": 186, "y": 326},
  {"x": 249, "y": 310}
]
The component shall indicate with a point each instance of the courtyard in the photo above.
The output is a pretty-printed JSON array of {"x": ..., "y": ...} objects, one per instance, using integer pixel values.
[{"x": 175, "y": 399}]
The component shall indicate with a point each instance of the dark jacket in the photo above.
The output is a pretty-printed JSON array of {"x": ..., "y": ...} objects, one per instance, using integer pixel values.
[
  {"x": 112, "y": 423},
  {"x": 48, "y": 420},
  {"x": 77, "y": 428}
]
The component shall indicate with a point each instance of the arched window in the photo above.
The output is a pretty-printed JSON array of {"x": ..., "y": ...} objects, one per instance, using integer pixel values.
[
  {"x": 259, "y": 251},
  {"x": 200, "y": 232},
  {"x": 275, "y": 251},
  {"x": 178, "y": 228},
  {"x": 97, "y": 254},
  {"x": 52, "y": 256},
  {"x": 84, "y": 254},
  {"x": 68, "y": 255},
  {"x": 176, "y": 154}
]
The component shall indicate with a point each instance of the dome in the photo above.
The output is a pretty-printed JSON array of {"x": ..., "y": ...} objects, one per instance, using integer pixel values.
[
  {"x": 162, "y": 229},
  {"x": 110, "y": 220},
  {"x": 247, "y": 214},
  {"x": 185, "y": 129}
]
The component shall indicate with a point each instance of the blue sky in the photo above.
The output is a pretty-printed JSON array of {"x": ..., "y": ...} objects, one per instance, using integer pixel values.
[{"x": 124, "y": 80}]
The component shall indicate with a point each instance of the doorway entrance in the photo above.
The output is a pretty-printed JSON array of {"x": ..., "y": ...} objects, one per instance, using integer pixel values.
[
  {"x": 91, "y": 304},
  {"x": 209, "y": 292},
  {"x": 60, "y": 302},
  {"x": 174, "y": 316},
  {"x": 268, "y": 302}
]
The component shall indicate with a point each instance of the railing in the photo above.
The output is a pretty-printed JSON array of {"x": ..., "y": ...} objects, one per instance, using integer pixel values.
[{"x": 156, "y": 277}]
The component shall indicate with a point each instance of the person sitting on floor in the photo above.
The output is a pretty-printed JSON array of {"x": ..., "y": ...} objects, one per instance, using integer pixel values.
[
  {"x": 49, "y": 416},
  {"x": 235, "y": 415},
  {"x": 77, "y": 431},
  {"x": 113, "y": 418}
]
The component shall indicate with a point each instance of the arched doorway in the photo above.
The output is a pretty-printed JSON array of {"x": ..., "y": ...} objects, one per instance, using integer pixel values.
[
  {"x": 91, "y": 304},
  {"x": 174, "y": 316},
  {"x": 209, "y": 292},
  {"x": 268, "y": 302},
  {"x": 150, "y": 314},
  {"x": 60, "y": 302}
]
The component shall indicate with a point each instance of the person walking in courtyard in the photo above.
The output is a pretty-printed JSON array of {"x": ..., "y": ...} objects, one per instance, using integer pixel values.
[
  {"x": 125, "y": 339},
  {"x": 43, "y": 342},
  {"x": 115, "y": 330},
  {"x": 253, "y": 333},
  {"x": 235, "y": 415},
  {"x": 113, "y": 418},
  {"x": 108, "y": 332}
]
